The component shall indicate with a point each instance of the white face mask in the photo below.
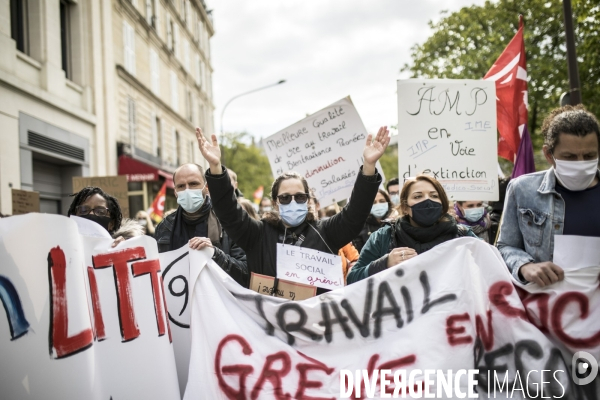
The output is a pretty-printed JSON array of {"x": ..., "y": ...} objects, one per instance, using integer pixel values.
[{"x": 575, "y": 175}]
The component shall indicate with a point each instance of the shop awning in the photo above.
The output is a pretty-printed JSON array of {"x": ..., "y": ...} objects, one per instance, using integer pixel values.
[{"x": 138, "y": 171}]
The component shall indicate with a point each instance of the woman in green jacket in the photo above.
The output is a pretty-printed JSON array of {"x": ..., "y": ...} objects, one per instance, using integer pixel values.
[{"x": 424, "y": 224}]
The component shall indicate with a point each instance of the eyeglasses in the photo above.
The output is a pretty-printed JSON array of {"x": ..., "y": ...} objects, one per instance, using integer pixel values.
[
  {"x": 300, "y": 198},
  {"x": 98, "y": 211}
]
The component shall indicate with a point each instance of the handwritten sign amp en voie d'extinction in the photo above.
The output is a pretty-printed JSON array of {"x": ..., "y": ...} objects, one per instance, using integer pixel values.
[{"x": 447, "y": 129}]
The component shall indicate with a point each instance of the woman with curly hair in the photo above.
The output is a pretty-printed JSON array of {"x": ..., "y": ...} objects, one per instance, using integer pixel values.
[{"x": 93, "y": 204}]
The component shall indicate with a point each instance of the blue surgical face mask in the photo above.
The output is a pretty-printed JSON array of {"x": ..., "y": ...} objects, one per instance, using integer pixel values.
[
  {"x": 395, "y": 199},
  {"x": 190, "y": 199},
  {"x": 379, "y": 210},
  {"x": 293, "y": 214},
  {"x": 474, "y": 214}
]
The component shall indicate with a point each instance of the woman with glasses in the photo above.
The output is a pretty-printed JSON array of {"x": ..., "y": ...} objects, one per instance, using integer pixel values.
[
  {"x": 93, "y": 204},
  {"x": 290, "y": 222}
]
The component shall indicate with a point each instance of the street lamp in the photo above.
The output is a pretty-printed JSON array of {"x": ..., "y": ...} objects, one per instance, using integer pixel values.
[{"x": 243, "y": 94}]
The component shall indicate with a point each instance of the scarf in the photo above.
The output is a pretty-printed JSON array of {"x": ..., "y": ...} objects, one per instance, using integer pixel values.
[
  {"x": 478, "y": 226},
  {"x": 423, "y": 239},
  {"x": 202, "y": 223}
]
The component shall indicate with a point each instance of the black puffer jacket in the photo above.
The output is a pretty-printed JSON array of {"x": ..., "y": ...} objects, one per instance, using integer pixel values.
[
  {"x": 371, "y": 225},
  {"x": 259, "y": 238},
  {"x": 229, "y": 256}
]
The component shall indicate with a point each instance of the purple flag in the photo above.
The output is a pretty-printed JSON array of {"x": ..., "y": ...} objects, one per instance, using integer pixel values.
[{"x": 524, "y": 163}]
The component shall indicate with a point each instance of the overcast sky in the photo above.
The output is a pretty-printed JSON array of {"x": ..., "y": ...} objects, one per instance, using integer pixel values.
[{"x": 325, "y": 50}]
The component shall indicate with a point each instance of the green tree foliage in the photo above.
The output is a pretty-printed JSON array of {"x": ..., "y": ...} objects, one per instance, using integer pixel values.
[
  {"x": 248, "y": 161},
  {"x": 389, "y": 162},
  {"x": 465, "y": 44}
]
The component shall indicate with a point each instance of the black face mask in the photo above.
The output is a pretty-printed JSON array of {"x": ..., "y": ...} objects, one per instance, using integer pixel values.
[
  {"x": 426, "y": 213},
  {"x": 102, "y": 221}
]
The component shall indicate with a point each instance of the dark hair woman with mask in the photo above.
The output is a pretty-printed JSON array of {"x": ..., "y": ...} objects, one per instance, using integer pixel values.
[
  {"x": 381, "y": 209},
  {"x": 290, "y": 221},
  {"x": 94, "y": 204},
  {"x": 424, "y": 224}
]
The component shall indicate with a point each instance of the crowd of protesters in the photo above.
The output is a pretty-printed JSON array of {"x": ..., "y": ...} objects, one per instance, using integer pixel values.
[{"x": 377, "y": 228}]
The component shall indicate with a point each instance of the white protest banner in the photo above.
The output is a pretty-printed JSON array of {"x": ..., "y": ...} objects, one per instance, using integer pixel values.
[
  {"x": 452, "y": 308},
  {"x": 309, "y": 267},
  {"x": 177, "y": 273},
  {"x": 83, "y": 320},
  {"x": 447, "y": 129},
  {"x": 325, "y": 147},
  {"x": 572, "y": 252}
]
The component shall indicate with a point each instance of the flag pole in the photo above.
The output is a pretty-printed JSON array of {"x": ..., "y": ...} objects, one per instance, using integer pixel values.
[{"x": 574, "y": 92}]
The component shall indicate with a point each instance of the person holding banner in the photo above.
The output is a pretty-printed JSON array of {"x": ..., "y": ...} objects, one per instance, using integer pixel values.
[
  {"x": 424, "y": 224},
  {"x": 93, "y": 204},
  {"x": 195, "y": 224},
  {"x": 562, "y": 200},
  {"x": 290, "y": 223}
]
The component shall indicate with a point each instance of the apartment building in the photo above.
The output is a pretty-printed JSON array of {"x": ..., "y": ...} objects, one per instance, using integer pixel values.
[{"x": 101, "y": 87}]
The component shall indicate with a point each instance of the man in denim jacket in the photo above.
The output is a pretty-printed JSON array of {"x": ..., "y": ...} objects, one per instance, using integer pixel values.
[{"x": 560, "y": 201}]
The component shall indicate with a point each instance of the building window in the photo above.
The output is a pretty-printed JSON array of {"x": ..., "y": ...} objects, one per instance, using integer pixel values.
[
  {"x": 156, "y": 134},
  {"x": 129, "y": 47},
  {"x": 186, "y": 55},
  {"x": 176, "y": 39},
  {"x": 198, "y": 70},
  {"x": 65, "y": 38},
  {"x": 169, "y": 32},
  {"x": 176, "y": 145},
  {"x": 189, "y": 106},
  {"x": 201, "y": 117},
  {"x": 131, "y": 120},
  {"x": 191, "y": 152},
  {"x": 174, "y": 92},
  {"x": 149, "y": 12},
  {"x": 154, "y": 72},
  {"x": 19, "y": 29}
]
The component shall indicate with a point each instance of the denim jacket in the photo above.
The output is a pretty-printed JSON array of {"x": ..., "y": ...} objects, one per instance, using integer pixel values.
[{"x": 531, "y": 219}]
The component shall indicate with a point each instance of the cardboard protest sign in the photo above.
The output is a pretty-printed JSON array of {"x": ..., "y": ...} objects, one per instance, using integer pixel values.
[
  {"x": 268, "y": 286},
  {"x": 83, "y": 320},
  {"x": 452, "y": 308},
  {"x": 24, "y": 201},
  {"x": 447, "y": 129},
  {"x": 116, "y": 186},
  {"x": 325, "y": 147}
]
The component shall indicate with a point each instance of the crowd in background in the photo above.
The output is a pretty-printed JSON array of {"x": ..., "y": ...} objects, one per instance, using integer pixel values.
[{"x": 379, "y": 226}]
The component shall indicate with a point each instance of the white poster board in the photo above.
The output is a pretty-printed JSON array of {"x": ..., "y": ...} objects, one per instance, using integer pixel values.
[
  {"x": 447, "y": 129},
  {"x": 83, "y": 320},
  {"x": 325, "y": 147},
  {"x": 309, "y": 267}
]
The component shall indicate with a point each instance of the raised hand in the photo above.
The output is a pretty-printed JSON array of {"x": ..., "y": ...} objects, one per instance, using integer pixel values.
[
  {"x": 210, "y": 151},
  {"x": 374, "y": 149}
]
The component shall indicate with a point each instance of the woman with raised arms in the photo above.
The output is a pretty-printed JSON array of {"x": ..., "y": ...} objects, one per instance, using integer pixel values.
[
  {"x": 424, "y": 224},
  {"x": 290, "y": 222}
]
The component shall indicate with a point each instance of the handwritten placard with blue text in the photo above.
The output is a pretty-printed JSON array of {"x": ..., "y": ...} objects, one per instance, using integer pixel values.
[
  {"x": 447, "y": 129},
  {"x": 325, "y": 147}
]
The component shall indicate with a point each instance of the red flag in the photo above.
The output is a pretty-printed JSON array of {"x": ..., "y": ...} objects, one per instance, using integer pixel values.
[
  {"x": 258, "y": 195},
  {"x": 158, "y": 205},
  {"x": 510, "y": 74}
]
